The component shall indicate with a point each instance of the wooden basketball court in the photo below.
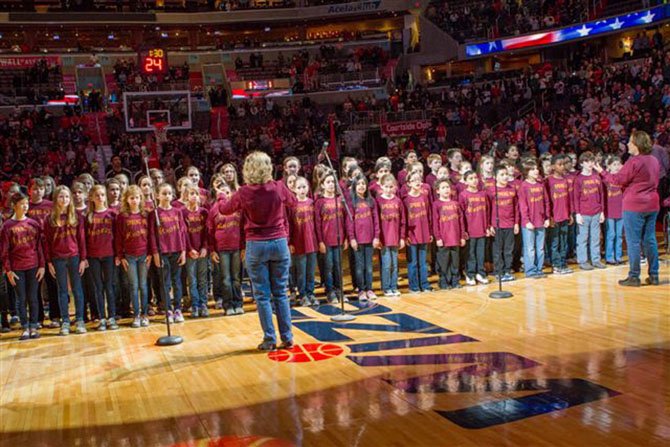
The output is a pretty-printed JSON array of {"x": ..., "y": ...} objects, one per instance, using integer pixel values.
[{"x": 573, "y": 360}]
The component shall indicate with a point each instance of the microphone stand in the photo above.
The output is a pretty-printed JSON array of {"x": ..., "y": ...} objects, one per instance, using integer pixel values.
[
  {"x": 343, "y": 316},
  {"x": 500, "y": 293},
  {"x": 169, "y": 339}
]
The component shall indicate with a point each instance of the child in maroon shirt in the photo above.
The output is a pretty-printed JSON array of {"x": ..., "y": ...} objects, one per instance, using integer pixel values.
[
  {"x": 303, "y": 243},
  {"x": 449, "y": 233},
  {"x": 195, "y": 218},
  {"x": 330, "y": 232},
  {"x": 168, "y": 248},
  {"x": 225, "y": 242},
  {"x": 99, "y": 227},
  {"x": 613, "y": 214},
  {"x": 23, "y": 262},
  {"x": 558, "y": 193},
  {"x": 417, "y": 209},
  {"x": 504, "y": 221},
  {"x": 65, "y": 254},
  {"x": 534, "y": 210},
  {"x": 589, "y": 200},
  {"x": 363, "y": 232},
  {"x": 475, "y": 208},
  {"x": 392, "y": 233}
]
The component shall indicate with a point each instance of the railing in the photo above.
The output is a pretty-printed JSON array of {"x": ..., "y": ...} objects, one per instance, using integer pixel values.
[
  {"x": 350, "y": 79},
  {"x": 146, "y": 87}
]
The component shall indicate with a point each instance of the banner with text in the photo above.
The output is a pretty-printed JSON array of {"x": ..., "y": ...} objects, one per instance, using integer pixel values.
[
  {"x": 403, "y": 128},
  {"x": 27, "y": 61}
]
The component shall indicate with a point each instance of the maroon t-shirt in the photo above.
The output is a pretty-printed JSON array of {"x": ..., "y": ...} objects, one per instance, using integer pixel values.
[
  {"x": 100, "y": 233},
  {"x": 508, "y": 209},
  {"x": 613, "y": 200},
  {"x": 196, "y": 228},
  {"x": 475, "y": 208},
  {"x": 224, "y": 231},
  {"x": 329, "y": 217},
  {"x": 40, "y": 211},
  {"x": 365, "y": 225},
  {"x": 132, "y": 233},
  {"x": 303, "y": 231},
  {"x": 558, "y": 192},
  {"x": 448, "y": 224},
  {"x": 417, "y": 210},
  {"x": 64, "y": 241},
  {"x": 21, "y": 245},
  {"x": 262, "y": 208},
  {"x": 533, "y": 204},
  {"x": 392, "y": 223},
  {"x": 589, "y": 194},
  {"x": 171, "y": 233}
]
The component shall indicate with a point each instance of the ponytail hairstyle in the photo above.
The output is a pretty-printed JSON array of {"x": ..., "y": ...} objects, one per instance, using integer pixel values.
[
  {"x": 94, "y": 189},
  {"x": 131, "y": 191},
  {"x": 70, "y": 214}
]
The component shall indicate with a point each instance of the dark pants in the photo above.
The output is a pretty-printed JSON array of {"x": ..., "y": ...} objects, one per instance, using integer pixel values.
[
  {"x": 52, "y": 297},
  {"x": 4, "y": 302},
  {"x": 103, "y": 272},
  {"x": 171, "y": 278},
  {"x": 363, "y": 262},
  {"x": 475, "y": 263},
  {"x": 503, "y": 250},
  {"x": 558, "y": 234},
  {"x": 26, "y": 290},
  {"x": 447, "y": 262},
  {"x": 231, "y": 282}
]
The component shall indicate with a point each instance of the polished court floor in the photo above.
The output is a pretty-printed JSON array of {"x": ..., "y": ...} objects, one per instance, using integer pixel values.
[{"x": 568, "y": 361}]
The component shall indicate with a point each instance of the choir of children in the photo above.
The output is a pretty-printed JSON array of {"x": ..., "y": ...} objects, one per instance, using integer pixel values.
[{"x": 109, "y": 231}]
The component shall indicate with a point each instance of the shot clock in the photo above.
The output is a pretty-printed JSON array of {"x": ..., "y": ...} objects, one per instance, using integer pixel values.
[{"x": 153, "y": 61}]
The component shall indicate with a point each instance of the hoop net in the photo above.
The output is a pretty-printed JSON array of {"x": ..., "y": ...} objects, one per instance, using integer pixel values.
[{"x": 160, "y": 132}]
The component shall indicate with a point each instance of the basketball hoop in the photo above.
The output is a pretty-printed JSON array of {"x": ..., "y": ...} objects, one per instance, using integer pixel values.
[{"x": 160, "y": 132}]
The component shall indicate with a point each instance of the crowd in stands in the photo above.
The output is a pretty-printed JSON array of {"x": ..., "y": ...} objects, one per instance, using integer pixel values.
[
  {"x": 172, "y": 5},
  {"x": 485, "y": 19}
]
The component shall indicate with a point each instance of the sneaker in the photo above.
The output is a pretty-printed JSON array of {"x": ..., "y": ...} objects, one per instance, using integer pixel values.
[
  {"x": 170, "y": 317},
  {"x": 65, "y": 329},
  {"x": 267, "y": 345},
  {"x": 55, "y": 324},
  {"x": 136, "y": 323},
  {"x": 239, "y": 310},
  {"x": 195, "y": 313},
  {"x": 111, "y": 323},
  {"x": 540, "y": 275},
  {"x": 630, "y": 282},
  {"x": 362, "y": 296},
  {"x": 643, "y": 261},
  {"x": 151, "y": 313},
  {"x": 586, "y": 266},
  {"x": 507, "y": 277},
  {"x": 557, "y": 271},
  {"x": 102, "y": 327},
  {"x": 315, "y": 301},
  {"x": 204, "y": 312},
  {"x": 428, "y": 290},
  {"x": 229, "y": 311},
  {"x": 371, "y": 295},
  {"x": 652, "y": 281},
  {"x": 599, "y": 265},
  {"x": 567, "y": 270},
  {"x": 345, "y": 299},
  {"x": 286, "y": 345},
  {"x": 332, "y": 298},
  {"x": 81, "y": 327},
  {"x": 25, "y": 335},
  {"x": 219, "y": 304},
  {"x": 144, "y": 322},
  {"x": 396, "y": 292},
  {"x": 388, "y": 293},
  {"x": 305, "y": 301},
  {"x": 481, "y": 279},
  {"x": 178, "y": 317},
  {"x": 14, "y": 320},
  {"x": 34, "y": 334},
  {"x": 470, "y": 281}
]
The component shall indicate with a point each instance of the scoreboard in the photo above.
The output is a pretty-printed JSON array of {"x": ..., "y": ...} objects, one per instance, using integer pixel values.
[{"x": 153, "y": 61}]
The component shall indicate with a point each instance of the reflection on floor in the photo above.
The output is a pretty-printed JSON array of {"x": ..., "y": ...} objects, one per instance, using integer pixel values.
[{"x": 570, "y": 360}]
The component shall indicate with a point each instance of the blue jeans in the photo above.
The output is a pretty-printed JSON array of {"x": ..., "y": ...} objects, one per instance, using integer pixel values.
[
  {"x": 137, "y": 278},
  {"x": 26, "y": 293},
  {"x": 333, "y": 261},
  {"x": 231, "y": 283},
  {"x": 363, "y": 262},
  {"x": 102, "y": 271},
  {"x": 559, "y": 244},
  {"x": 171, "y": 277},
  {"x": 417, "y": 269},
  {"x": 614, "y": 240},
  {"x": 640, "y": 230},
  {"x": 588, "y": 239},
  {"x": 196, "y": 269},
  {"x": 69, "y": 267},
  {"x": 268, "y": 263},
  {"x": 533, "y": 250},
  {"x": 305, "y": 266},
  {"x": 389, "y": 268}
]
